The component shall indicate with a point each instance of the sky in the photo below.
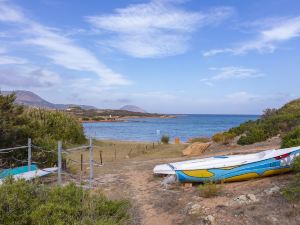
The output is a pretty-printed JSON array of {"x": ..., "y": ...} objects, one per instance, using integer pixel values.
[{"x": 166, "y": 56}]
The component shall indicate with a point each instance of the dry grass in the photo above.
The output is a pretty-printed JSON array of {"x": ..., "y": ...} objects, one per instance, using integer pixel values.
[
  {"x": 209, "y": 189},
  {"x": 118, "y": 154}
]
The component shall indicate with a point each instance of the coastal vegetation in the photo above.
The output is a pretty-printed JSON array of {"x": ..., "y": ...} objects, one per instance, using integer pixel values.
[
  {"x": 44, "y": 127},
  {"x": 209, "y": 189},
  {"x": 24, "y": 203},
  {"x": 105, "y": 114},
  {"x": 165, "y": 139},
  {"x": 292, "y": 191},
  {"x": 199, "y": 139},
  {"x": 284, "y": 122}
]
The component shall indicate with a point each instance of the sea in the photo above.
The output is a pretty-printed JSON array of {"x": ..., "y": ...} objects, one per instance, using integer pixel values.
[{"x": 151, "y": 129}]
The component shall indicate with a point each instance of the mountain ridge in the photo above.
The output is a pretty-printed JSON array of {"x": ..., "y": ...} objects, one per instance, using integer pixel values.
[
  {"x": 133, "y": 108},
  {"x": 31, "y": 99}
]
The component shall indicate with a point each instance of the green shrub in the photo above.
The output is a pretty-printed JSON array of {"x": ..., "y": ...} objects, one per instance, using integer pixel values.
[
  {"x": 165, "y": 139},
  {"x": 223, "y": 138},
  {"x": 272, "y": 122},
  {"x": 23, "y": 203},
  {"x": 255, "y": 134},
  {"x": 209, "y": 189},
  {"x": 44, "y": 127},
  {"x": 292, "y": 191},
  {"x": 199, "y": 139},
  {"x": 292, "y": 139},
  {"x": 86, "y": 118}
]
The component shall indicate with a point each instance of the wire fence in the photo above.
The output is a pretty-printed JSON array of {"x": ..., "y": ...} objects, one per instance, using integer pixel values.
[{"x": 61, "y": 162}]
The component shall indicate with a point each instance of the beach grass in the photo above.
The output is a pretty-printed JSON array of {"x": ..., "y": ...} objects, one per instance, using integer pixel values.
[{"x": 116, "y": 154}]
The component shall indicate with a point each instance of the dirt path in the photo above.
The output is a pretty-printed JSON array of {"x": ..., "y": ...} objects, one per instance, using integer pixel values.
[
  {"x": 144, "y": 195},
  {"x": 153, "y": 204}
]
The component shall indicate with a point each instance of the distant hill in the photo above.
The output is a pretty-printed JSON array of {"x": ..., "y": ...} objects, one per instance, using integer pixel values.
[
  {"x": 133, "y": 108},
  {"x": 31, "y": 99}
]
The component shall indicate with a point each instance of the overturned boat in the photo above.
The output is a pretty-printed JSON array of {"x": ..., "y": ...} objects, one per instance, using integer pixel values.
[
  {"x": 227, "y": 168},
  {"x": 26, "y": 173}
]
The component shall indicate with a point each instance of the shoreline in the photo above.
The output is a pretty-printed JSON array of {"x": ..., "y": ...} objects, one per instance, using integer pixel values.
[{"x": 124, "y": 119}]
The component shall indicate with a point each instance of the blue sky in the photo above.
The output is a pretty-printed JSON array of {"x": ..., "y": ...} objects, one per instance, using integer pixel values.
[{"x": 168, "y": 56}]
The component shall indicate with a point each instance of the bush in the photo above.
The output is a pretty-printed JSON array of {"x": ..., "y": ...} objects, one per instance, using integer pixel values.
[
  {"x": 272, "y": 122},
  {"x": 23, "y": 203},
  {"x": 292, "y": 139},
  {"x": 199, "y": 139},
  {"x": 223, "y": 138},
  {"x": 165, "y": 139},
  {"x": 292, "y": 191},
  {"x": 209, "y": 189},
  {"x": 44, "y": 127},
  {"x": 255, "y": 134}
]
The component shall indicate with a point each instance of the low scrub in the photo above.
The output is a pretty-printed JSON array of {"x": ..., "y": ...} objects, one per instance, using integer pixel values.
[
  {"x": 199, "y": 139},
  {"x": 273, "y": 122},
  {"x": 255, "y": 134},
  {"x": 165, "y": 139},
  {"x": 23, "y": 203},
  {"x": 223, "y": 138},
  {"x": 292, "y": 138},
  {"x": 292, "y": 191},
  {"x": 209, "y": 189},
  {"x": 44, "y": 127}
]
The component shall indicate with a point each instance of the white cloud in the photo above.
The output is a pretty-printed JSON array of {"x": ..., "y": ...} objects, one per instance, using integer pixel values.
[
  {"x": 277, "y": 31},
  {"x": 154, "y": 29},
  {"x": 61, "y": 50},
  {"x": 5, "y": 60},
  {"x": 229, "y": 73},
  {"x": 243, "y": 97},
  {"x": 232, "y": 72},
  {"x": 9, "y": 13},
  {"x": 26, "y": 77}
]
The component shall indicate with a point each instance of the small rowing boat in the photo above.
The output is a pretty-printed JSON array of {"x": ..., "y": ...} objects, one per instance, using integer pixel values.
[
  {"x": 228, "y": 168},
  {"x": 23, "y": 172}
]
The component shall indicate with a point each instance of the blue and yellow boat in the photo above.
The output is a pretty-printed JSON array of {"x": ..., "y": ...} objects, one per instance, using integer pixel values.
[{"x": 229, "y": 168}]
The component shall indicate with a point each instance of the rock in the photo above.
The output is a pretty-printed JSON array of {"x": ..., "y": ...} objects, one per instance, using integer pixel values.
[
  {"x": 196, "y": 148},
  {"x": 252, "y": 197},
  {"x": 245, "y": 199},
  {"x": 272, "y": 190},
  {"x": 194, "y": 209},
  {"x": 171, "y": 179},
  {"x": 187, "y": 185},
  {"x": 209, "y": 220}
]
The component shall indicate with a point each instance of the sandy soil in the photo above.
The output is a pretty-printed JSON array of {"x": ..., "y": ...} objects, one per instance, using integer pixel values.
[{"x": 154, "y": 204}]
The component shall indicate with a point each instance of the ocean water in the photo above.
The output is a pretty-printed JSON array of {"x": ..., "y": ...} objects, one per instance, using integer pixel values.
[{"x": 150, "y": 129}]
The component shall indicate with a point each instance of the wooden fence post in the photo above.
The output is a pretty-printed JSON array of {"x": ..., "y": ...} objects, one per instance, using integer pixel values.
[
  {"x": 91, "y": 162},
  {"x": 100, "y": 152}
]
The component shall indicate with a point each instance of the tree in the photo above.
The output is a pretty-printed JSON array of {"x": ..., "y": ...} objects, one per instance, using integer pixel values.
[{"x": 11, "y": 121}]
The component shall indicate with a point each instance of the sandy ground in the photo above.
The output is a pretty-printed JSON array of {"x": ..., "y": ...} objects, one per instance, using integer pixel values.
[{"x": 154, "y": 204}]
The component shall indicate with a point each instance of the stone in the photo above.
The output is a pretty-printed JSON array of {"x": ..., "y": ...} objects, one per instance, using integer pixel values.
[
  {"x": 187, "y": 185},
  {"x": 196, "y": 149},
  {"x": 209, "y": 220},
  {"x": 171, "y": 179},
  {"x": 194, "y": 209},
  {"x": 245, "y": 199},
  {"x": 251, "y": 197},
  {"x": 272, "y": 190}
]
